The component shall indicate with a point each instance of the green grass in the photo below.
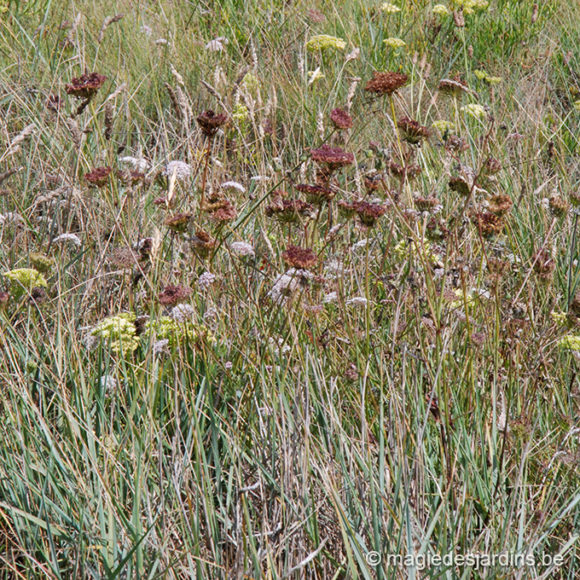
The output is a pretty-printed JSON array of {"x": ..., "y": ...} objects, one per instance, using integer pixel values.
[{"x": 288, "y": 439}]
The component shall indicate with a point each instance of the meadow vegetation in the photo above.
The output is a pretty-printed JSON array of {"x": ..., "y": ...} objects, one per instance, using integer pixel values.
[{"x": 288, "y": 286}]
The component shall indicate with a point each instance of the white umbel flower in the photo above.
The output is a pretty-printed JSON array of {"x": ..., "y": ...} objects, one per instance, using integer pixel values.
[
  {"x": 181, "y": 170},
  {"x": 242, "y": 249}
]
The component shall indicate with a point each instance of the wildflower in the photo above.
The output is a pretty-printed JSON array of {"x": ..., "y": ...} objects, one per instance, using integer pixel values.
[
  {"x": 577, "y": 105},
  {"x": 493, "y": 80},
  {"x": 173, "y": 295},
  {"x": 570, "y": 342},
  {"x": 412, "y": 131},
  {"x": 443, "y": 126},
  {"x": 330, "y": 297},
  {"x": 41, "y": 262},
  {"x": 108, "y": 383},
  {"x": 131, "y": 177},
  {"x": 24, "y": 280},
  {"x": 386, "y": 83},
  {"x": 225, "y": 213},
  {"x": 426, "y": 203},
  {"x": 357, "y": 301},
  {"x": 242, "y": 249},
  {"x": 500, "y": 204},
  {"x": 99, "y": 177},
  {"x": 206, "y": 280},
  {"x": 178, "y": 333},
  {"x": 347, "y": 209},
  {"x": 404, "y": 172},
  {"x": 161, "y": 346},
  {"x": 316, "y": 194},
  {"x": 544, "y": 265},
  {"x": 123, "y": 258},
  {"x": 476, "y": 111},
  {"x": 288, "y": 210},
  {"x": 323, "y": 42},
  {"x": 480, "y": 74},
  {"x": 119, "y": 331},
  {"x": 288, "y": 283},
  {"x": 459, "y": 299},
  {"x": 389, "y": 8},
  {"x": 209, "y": 122},
  {"x": 559, "y": 206},
  {"x": 300, "y": 258},
  {"x": 456, "y": 144},
  {"x": 369, "y": 213},
  {"x": 240, "y": 114},
  {"x": 137, "y": 163},
  {"x": 144, "y": 248},
  {"x": 202, "y": 243},
  {"x": 460, "y": 185},
  {"x": 575, "y": 198},
  {"x": 558, "y": 317},
  {"x": 455, "y": 86},
  {"x": 394, "y": 43},
  {"x": 86, "y": 86},
  {"x": 436, "y": 230},
  {"x": 315, "y": 75},
  {"x": 180, "y": 169},
  {"x": 182, "y": 312},
  {"x": 441, "y": 10},
  {"x": 233, "y": 185},
  {"x": 178, "y": 222},
  {"x": 341, "y": 119},
  {"x": 332, "y": 158},
  {"x": 489, "y": 224},
  {"x": 491, "y": 166},
  {"x": 68, "y": 238},
  {"x": 217, "y": 44}
]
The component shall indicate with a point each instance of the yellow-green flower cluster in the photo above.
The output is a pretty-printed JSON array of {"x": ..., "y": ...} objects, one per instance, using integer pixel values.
[
  {"x": 177, "y": 332},
  {"x": 558, "y": 317},
  {"x": 577, "y": 105},
  {"x": 462, "y": 300},
  {"x": 483, "y": 76},
  {"x": 315, "y": 75},
  {"x": 442, "y": 125},
  {"x": 570, "y": 342},
  {"x": 404, "y": 249},
  {"x": 394, "y": 42},
  {"x": 240, "y": 115},
  {"x": 322, "y": 42},
  {"x": 389, "y": 8},
  {"x": 474, "y": 110},
  {"x": 251, "y": 82},
  {"x": 119, "y": 332},
  {"x": 470, "y": 6},
  {"x": 24, "y": 280},
  {"x": 441, "y": 10}
]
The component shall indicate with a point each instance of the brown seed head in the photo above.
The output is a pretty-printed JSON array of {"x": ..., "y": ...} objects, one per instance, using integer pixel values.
[
  {"x": 412, "y": 131},
  {"x": 500, "y": 204},
  {"x": 300, "y": 258},
  {"x": 487, "y": 223},
  {"x": 85, "y": 86},
  {"x": 341, "y": 119},
  {"x": 369, "y": 213},
  {"x": 316, "y": 194},
  {"x": 288, "y": 210},
  {"x": 173, "y": 295},
  {"x": 459, "y": 185},
  {"x": 386, "y": 83},
  {"x": 332, "y": 158},
  {"x": 559, "y": 206},
  {"x": 210, "y": 121},
  {"x": 99, "y": 177},
  {"x": 179, "y": 221}
]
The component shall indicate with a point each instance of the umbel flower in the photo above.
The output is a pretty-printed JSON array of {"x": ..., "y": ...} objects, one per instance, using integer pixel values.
[
  {"x": 316, "y": 194},
  {"x": 341, "y": 119},
  {"x": 412, "y": 131},
  {"x": 332, "y": 158},
  {"x": 455, "y": 86},
  {"x": 119, "y": 332},
  {"x": 86, "y": 86},
  {"x": 369, "y": 213},
  {"x": 500, "y": 204},
  {"x": 489, "y": 224},
  {"x": 386, "y": 83},
  {"x": 179, "y": 221},
  {"x": 322, "y": 42},
  {"x": 202, "y": 244},
  {"x": 99, "y": 176},
  {"x": 300, "y": 258},
  {"x": 210, "y": 121},
  {"x": 288, "y": 210},
  {"x": 173, "y": 295},
  {"x": 24, "y": 280}
]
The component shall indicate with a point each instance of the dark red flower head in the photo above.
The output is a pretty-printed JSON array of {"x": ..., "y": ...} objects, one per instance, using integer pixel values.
[{"x": 85, "y": 86}]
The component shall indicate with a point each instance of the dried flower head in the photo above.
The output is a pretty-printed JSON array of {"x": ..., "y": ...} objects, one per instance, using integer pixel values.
[
  {"x": 426, "y": 203},
  {"x": 386, "y": 83},
  {"x": 226, "y": 213},
  {"x": 85, "y": 86},
  {"x": 202, "y": 244},
  {"x": 98, "y": 177},
  {"x": 179, "y": 221},
  {"x": 347, "y": 209},
  {"x": 487, "y": 223},
  {"x": 459, "y": 185},
  {"x": 173, "y": 295},
  {"x": 412, "y": 131},
  {"x": 404, "y": 172},
  {"x": 436, "y": 230},
  {"x": 210, "y": 121},
  {"x": 130, "y": 176},
  {"x": 300, "y": 258},
  {"x": 369, "y": 213},
  {"x": 455, "y": 144},
  {"x": 341, "y": 119},
  {"x": 491, "y": 166},
  {"x": 500, "y": 204},
  {"x": 544, "y": 265},
  {"x": 332, "y": 158},
  {"x": 317, "y": 194},
  {"x": 288, "y": 210},
  {"x": 455, "y": 86},
  {"x": 559, "y": 206},
  {"x": 373, "y": 182}
]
